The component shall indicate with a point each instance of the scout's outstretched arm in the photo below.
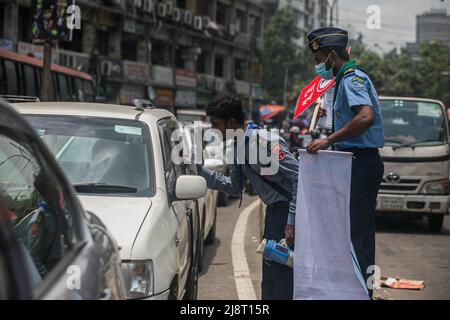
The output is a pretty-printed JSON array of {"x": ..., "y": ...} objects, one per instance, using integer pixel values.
[{"x": 217, "y": 181}]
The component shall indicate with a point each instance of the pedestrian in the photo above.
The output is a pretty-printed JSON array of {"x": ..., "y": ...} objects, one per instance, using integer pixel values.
[
  {"x": 277, "y": 191},
  {"x": 357, "y": 128}
]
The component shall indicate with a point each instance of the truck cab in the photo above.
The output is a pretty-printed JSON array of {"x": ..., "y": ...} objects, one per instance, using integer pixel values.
[{"x": 416, "y": 157}]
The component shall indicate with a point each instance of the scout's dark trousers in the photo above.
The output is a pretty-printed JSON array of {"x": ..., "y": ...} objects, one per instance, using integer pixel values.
[
  {"x": 277, "y": 279},
  {"x": 367, "y": 173}
]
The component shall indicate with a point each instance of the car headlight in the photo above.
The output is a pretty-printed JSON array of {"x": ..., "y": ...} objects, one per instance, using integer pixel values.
[
  {"x": 436, "y": 187},
  {"x": 139, "y": 280}
]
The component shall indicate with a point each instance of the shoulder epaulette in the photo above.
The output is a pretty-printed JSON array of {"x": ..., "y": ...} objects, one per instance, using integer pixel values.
[{"x": 349, "y": 71}]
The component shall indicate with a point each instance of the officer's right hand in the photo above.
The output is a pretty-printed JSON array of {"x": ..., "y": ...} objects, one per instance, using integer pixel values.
[
  {"x": 289, "y": 233},
  {"x": 322, "y": 112}
]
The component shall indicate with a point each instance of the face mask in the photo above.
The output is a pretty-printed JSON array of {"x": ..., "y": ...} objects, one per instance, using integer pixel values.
[{"x": 322, "y": 71}]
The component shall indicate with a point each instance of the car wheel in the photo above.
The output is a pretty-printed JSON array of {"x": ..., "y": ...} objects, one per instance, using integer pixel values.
[
  {"x": 223, "y": 199},
  {"x": 435, "y": 222},
  {"x": 212, "y": 233}
]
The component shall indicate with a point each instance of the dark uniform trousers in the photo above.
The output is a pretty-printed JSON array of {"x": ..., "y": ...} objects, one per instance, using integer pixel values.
[
  {"x": 367, "y": 174},
  {"x": 277, "y": 279}
]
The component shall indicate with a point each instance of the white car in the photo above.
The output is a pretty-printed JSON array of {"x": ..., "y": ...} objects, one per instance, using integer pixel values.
[{"x": 119, "y": 160}]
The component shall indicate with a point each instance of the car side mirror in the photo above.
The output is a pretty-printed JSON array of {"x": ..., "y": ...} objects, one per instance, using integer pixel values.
[
  {"x": 214, "y": 164},
  {"x": 190, "y": 187}
]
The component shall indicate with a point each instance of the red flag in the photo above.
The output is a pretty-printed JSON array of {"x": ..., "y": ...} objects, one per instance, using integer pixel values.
[{"x": 311, "y": 93}]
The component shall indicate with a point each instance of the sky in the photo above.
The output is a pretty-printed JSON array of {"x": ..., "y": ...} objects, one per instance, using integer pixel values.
[{"x": 398, "y": 20}]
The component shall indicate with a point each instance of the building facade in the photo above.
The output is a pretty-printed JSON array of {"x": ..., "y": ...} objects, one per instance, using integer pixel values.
[
  {"x": 180, "y": 53},
  {"x": 430, "y": 26},
  {"x": 433, "y": 26}
]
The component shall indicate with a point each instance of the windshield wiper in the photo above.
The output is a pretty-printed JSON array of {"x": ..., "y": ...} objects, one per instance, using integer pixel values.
[
  {"x": 412, "y": 144},
  {"x": 103, "y": 188}
]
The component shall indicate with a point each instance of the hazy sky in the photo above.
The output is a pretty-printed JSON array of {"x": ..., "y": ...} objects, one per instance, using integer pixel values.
[{"x": 398, "y": 20}]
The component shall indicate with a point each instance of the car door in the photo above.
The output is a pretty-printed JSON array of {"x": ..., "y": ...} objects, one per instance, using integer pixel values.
[
  {"x": 61, "y": 258},
  {"x": 178, "y": 208}
]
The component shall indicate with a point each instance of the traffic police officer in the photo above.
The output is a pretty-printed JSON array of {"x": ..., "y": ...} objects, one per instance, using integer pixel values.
[
  {"x": 278, "y": 191},
  {"x": 357, "y": 128}
]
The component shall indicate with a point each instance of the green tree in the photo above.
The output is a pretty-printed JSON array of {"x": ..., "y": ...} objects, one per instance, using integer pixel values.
[
  {"x": 433, "y": 72},
  {"x": 279, "y": 53}
]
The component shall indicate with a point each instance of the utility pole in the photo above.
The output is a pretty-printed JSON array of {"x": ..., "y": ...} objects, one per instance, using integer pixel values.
[{"x": 47, "y": 72}]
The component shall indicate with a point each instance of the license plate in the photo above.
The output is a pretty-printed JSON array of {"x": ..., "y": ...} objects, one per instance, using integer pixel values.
[{"x": 392, "y": 203}]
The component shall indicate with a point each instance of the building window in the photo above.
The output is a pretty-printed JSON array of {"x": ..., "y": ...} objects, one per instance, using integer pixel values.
[
  {"x": 102, "y": 42},
  {"x": 25, "y": 16},
  {"x": 201, "y": 63},
  {"x": 129, "y": 48},
  {"x": 240, "y": 69},
  {"x": 179, "y": 61},
  {"x": 218, "y": 66},
  {"x": 221, "y": 14},
  {"x": 76, "y": 44},
  {"x": 181, "y": 4},
  {"x": 161, "y": 52},
  {"x": 203, "y": 7},
  {"x": 255, "y": 26},
  {"x": 241, "y": 21}
]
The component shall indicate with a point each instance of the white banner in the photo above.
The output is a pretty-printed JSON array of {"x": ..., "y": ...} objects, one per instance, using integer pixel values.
[{"x": 323, "y": 260}]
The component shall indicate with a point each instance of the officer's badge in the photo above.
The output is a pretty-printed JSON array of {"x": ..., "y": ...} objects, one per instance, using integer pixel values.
[
  {"x": 314, "y": 45},
  {"x": 358, "y": 83},
  {"x": 277, "y": 151}
]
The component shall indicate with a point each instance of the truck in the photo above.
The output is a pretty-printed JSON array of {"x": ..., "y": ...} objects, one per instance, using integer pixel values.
[{"x": 416, "y": 157}]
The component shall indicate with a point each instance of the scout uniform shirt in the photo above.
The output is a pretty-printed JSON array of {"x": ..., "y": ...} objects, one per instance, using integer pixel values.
[
  {"x": 272, "y": 189},
  {"x": 356, "y": 89}
]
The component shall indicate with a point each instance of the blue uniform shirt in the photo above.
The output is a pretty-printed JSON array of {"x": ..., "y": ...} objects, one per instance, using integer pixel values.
[
  {"x": 356, "y": 89},
  {"x": 285, "y": 178}
]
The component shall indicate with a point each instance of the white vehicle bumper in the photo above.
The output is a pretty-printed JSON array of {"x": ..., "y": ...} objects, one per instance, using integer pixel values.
[{"x": 413, "y": 203}]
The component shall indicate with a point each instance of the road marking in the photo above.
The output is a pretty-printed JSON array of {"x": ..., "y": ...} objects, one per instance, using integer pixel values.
[{"x": 244, "y": 286}]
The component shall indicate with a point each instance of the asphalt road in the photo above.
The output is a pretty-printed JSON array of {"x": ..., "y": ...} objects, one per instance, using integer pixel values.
[{"x": 405, "y": 249}]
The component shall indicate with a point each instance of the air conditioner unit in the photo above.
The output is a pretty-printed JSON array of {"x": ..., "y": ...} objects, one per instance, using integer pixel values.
[
  {"x": 187, "y": 18},
  {"x": 198, "y": 23},
  {"x": 138, "y": 3},
  {"x": 169, "y": 8},
  {"x": 147, "y": 6},
  {"x": 176, "y": 15},
  {"x": 162, "y": 10}
]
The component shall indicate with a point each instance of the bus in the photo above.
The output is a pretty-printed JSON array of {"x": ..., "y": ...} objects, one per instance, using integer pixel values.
[{"x": 21, "y": 76}]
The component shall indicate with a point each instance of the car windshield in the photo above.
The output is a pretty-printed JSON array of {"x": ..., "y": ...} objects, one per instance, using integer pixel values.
[
  {"x": 413, "y": 123},
  {"x": 100, "y": 155}
]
